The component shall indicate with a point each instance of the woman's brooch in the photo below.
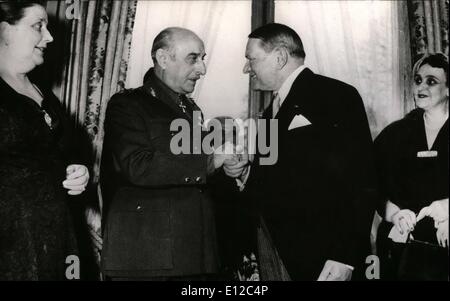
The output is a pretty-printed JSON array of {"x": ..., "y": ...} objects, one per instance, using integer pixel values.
[{"x": 48, "y": 119}]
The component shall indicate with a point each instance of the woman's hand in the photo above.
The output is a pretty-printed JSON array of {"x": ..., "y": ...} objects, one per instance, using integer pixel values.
[
  {"x": 442, "y": 233},
  {"x": 77, "y": 177},
  {"x": 335, "y": 271},
  {"x": 404, "y": 220},
  {"x": 438, "y": 210}
]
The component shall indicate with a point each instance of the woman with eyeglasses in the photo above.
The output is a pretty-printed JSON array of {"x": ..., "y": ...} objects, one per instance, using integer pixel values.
[{"x": 413, "y": 167}]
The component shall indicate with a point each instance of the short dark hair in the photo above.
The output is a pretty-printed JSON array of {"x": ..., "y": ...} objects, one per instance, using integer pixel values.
[
  {"x": 278, "y": 35},
  {"x": 13, "y": 11},
  {"x": 435, "y": 60},
  {"x": 162, "y": 41}
]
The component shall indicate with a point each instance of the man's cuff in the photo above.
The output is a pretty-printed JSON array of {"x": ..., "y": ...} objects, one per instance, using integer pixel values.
[{"x": 350, "y": 267}]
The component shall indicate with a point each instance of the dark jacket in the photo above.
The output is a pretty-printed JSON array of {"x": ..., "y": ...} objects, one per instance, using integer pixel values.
[
  {"x": 405, "y": 178},
  {"x": 412, "y": 181},
  {"x": 318, "y": 199},
  {"x": 159, "y": 216}
]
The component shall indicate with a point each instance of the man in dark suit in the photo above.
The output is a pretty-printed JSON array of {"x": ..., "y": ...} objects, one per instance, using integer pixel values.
[
  {"x": 317, "y": 200},
  {"x": 159, "y": 215}
]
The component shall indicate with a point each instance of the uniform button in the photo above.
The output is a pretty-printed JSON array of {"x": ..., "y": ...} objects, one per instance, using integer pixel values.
[
  {"x": 198, "y": 179},
  {"x": 187, "y": 180}
]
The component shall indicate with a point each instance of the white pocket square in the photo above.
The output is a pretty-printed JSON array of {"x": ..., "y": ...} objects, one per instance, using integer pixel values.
[{"x": 298, "y": 121}]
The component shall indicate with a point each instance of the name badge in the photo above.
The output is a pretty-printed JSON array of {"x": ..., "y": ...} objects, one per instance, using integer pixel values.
[{"x": 427, "y": 154}]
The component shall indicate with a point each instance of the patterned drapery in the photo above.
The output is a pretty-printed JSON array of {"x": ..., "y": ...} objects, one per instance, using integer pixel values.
[
  {"x": 92, "y": 42},
  {"x": 97, "y": 41},
  {"x": 100, "y": 46},
  {"x": 429, "y": 26}
]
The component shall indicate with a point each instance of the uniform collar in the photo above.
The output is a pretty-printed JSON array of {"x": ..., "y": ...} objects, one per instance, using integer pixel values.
[{"x": 158, "y": 89}]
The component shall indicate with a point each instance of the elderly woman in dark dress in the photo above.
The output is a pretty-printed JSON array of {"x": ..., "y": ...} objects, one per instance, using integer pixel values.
[
  {"x": 36, "y": 233},
  {"x": 412, "y": 157}
]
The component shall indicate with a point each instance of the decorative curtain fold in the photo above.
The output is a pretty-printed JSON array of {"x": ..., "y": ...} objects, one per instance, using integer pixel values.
[
  {"x": 428, "y": 26},
  {"x": 92, "y": 46},
  {"x": 427, "y": 21},
  {"x": 100, "y": 47},
  {"x": 93, "y": 41}
]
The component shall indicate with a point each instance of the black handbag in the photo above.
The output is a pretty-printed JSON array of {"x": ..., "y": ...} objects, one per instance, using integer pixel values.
[{"x": 423, "y": 261}]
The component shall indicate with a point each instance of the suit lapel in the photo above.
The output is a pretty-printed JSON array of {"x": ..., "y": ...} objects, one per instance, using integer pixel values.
[{"x": 298, "y": 101}]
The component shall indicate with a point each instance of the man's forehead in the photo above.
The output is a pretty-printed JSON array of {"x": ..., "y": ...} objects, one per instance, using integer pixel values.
[
  {"x": 190, "y": 44},
  {"x": 254, "y": 46}
]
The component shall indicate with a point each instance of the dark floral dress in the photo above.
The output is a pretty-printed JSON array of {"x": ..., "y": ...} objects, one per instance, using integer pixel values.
[{"x": 36, "y": 233}]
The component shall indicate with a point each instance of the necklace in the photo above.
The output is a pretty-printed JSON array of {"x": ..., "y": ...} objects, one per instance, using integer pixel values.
[{"x": 48, "y": 120}]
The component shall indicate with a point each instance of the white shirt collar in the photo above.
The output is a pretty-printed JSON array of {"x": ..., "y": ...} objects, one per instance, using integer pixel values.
[{"x": 286, "y": 86}]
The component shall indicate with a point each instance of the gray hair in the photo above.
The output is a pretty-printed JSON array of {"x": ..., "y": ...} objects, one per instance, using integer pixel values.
[{"x": 165, "y": 40}]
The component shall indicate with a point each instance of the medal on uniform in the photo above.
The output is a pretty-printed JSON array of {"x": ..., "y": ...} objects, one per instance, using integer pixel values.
[
  {"x": 182, "y": 106},
  {"x": 152, "y": 92}
]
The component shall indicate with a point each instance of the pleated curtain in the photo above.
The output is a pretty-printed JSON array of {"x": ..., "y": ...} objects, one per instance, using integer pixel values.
[
  {"x": 92, "y": 42},
  {"x": 429, "y": 26},
  {"x": 100, "y": 43}
]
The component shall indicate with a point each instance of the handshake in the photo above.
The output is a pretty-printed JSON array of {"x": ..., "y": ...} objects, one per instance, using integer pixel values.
[{"x": 233, "y": 158}]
